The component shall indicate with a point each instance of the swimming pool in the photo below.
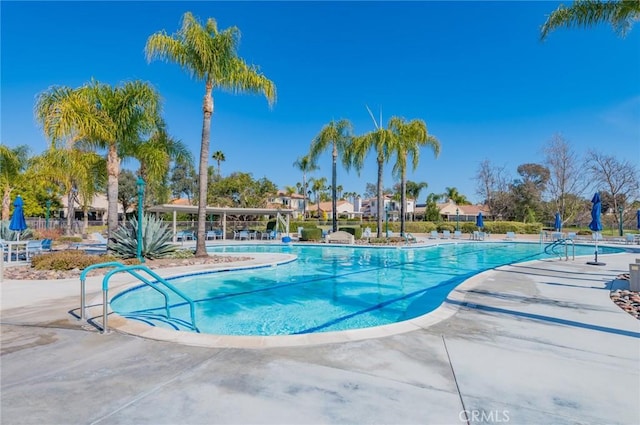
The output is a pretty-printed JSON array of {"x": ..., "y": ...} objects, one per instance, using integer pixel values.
[{"x": 328, "y": 288}]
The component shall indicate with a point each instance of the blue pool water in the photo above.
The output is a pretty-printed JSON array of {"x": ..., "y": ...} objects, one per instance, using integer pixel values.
[{"x": 327, "y": 288}]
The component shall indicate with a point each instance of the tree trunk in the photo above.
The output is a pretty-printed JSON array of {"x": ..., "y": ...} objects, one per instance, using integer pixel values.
[
  {"x": 334, "y": 202},
  {"x": 70, "y": 213},
  {"x": 203, "y": 176},
  {"x": 113, "y": 171},
  {"x": 380, "y": 201},
  {"x": 403, "y": 199},
  {"x": 6, "y": 201}
]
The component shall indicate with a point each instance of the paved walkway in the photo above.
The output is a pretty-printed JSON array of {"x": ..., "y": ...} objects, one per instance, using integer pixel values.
[{"x": 534, "y": 343}]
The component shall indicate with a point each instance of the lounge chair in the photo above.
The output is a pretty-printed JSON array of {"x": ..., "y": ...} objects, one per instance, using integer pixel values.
[
  {"x": 433, "y": 234},
  {"x": 446, "y": 234},
  {"x": 510, "y": 236},
  {"x": 457, "y": 234}
]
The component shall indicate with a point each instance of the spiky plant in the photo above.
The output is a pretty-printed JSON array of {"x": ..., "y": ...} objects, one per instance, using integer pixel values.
[{"x": 156, "y": 239}]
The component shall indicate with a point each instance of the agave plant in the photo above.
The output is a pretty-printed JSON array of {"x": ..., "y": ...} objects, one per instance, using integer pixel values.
[{"x": 156, "y": 239}]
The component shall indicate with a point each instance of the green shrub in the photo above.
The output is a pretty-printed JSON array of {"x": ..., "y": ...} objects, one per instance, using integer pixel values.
[
  {"x": 512, "y": 226},
  {"x": 355, "y": 231},
  {"x": 68, "y": 260},
  {"x": 70, "y": 239},
  {"x": 446, "y": 226},
  {"x": 311, "y": 234}
]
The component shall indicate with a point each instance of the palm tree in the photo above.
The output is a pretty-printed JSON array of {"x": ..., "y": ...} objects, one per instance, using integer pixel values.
[
  {"x": 381, "y": 140},
  {"x": 414, "y": 189},
  {"x": 208, "y": 55},
  {"x": 338, "y": 135},
  {"x": 453, "y": 194},
  {"x": 410, "y": 137},
  {"x": 317, "y": 187},
  {"x": 305, "y": 165},
  {"x": 12, "y": 162},
  {"x": 155, "y": 156},
  {"x": 585, "y": 13},
  {"x": 219, "y": 157},
  {"x": 99, "y": 116},
  {"x": 78, "y": 173}
]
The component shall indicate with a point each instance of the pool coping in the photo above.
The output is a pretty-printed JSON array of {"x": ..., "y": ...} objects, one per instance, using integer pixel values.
[{"x": 454, "y": 301}]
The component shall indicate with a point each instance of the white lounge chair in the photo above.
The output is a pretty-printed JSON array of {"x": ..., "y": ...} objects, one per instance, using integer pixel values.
[
  {"x": 446, "y": 234},
  {"x": 433, "y": 234},
  {"x": 510, "y": 236},
  {"x": 457, "y": 234}
]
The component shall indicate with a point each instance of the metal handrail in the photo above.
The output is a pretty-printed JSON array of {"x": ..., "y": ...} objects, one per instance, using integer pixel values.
[
  {"x": 83, "y": 279},
  {"x": 131, "y": 270},
  {"x": 564, "y": 242}
]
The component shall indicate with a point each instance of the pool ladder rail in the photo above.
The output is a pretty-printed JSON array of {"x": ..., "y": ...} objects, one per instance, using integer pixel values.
[
  {"x": 156, "y": 282},
  {"x": 553, "y": 247}
]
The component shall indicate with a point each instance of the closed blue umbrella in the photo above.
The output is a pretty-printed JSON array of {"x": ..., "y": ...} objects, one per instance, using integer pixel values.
[
  {"x": 479, "y": 221},
  {"x": 596, "y": 224},
  {"x": 558, "y": 223},
  {"x": 18, "y": 223},
  {"x": 638, "y": 218}
]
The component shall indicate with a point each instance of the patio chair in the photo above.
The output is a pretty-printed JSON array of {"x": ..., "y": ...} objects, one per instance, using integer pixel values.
[
  {"x": 34, "y": 247},
  {"x": 446, "y": 234},
  {"x": 457, "y": 234},
  {"x": 510, "y": 236},
  {"x": 185, "y": 235},
  {"x": 433, "y": 234}
]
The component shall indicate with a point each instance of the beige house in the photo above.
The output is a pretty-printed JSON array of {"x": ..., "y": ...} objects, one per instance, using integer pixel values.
[
  {"x": 97, "y": 210},
  {"x": 344, "y": 208}
]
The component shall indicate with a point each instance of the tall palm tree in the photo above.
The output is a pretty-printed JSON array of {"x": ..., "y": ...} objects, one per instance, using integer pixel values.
[
  {"x": 305, "y": 165},
  {"x": 12, "y": 162},
  {"x": 219, "y": 157},
  {"x": 410, "y": 137},
  {"x": 208, "y": 55},
  {"x": 98, "y": 116},
  {"x": 585, "y": 13},
  {"x": 381, "y": 140},
  {"x": 338, "y": 136}
]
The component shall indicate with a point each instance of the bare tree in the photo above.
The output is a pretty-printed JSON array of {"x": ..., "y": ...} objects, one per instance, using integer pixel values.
[
  {"x": 567, "y": 181},
  {"x": 492, "y": 186},
  {"x": 618, "y": 178}
]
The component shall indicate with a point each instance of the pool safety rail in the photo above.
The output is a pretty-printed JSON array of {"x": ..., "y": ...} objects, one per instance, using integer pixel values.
[
  {"x": 555, "y": 248},
  {"x": 156, "y": 282}
]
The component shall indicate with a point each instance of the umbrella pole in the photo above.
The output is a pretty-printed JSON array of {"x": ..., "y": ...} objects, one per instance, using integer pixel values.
[{"x": 596, "y": 262}]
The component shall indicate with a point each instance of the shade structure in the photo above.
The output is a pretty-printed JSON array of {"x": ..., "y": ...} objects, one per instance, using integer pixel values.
[
  {"x": 558, "y": 223},
  {"x": 18, "y": 223},
  {"x": 479, "y": 221},
  {"x": 596, "y": 224}
]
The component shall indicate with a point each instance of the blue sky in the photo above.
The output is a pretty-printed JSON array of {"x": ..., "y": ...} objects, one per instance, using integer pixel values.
[{"x": 476, "y": 72}]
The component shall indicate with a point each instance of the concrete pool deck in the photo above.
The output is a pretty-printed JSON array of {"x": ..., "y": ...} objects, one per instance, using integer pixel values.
[{"x": 532, "y": 343}]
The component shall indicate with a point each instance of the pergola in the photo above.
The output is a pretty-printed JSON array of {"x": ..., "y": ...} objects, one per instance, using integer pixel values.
[{"x": 223, "y": 212}]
